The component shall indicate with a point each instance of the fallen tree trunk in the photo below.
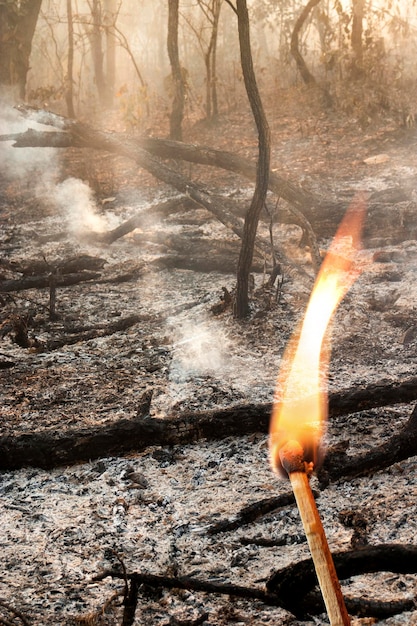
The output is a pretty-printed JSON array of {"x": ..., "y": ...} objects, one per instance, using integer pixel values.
[
  {"x": 51, "y": 449},
  {"x": 39, "y": 282},
  {"x": 388, "y": 220}
]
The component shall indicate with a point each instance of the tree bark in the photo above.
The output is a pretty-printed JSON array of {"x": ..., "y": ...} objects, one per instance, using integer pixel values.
[
  {"x": 69, "y": 91},
  {"x": 177, "y": 112},
  {"x": 17, "y": 26},
  {"x": 306, "y": 75},
  {"x": 262, "y": 170}
]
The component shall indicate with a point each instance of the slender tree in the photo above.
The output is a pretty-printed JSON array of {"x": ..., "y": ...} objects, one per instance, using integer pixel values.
[
  {"x": 211, "y": 10},
  {"x": 17, "y": 26},
  {"x": 358, "y": 7},
  {"x": 262, "y": 171},
  {"x": 69, "y": 92},
  {"x": 306, "y": 75},
  {"x": 177, "y": 113}
]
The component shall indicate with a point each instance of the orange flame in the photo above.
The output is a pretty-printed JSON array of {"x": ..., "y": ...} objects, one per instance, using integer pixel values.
[{"x": 301, "y": 414}]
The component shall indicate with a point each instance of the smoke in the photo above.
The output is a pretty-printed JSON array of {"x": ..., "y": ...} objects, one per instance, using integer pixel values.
[
  {"x": 75, "y": 199},
  {"x": 38, "y": 165},
  {"x": 198, "y": 349}
]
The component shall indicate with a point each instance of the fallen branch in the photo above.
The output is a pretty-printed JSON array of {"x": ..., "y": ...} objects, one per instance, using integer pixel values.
[
  {"x": 317, "y": 216},
  {"x": 140, "y": 151},
  {"x": 193, "y": 584},
  {"x": 296, "y": 581},
  {"x": 397, "y": 448},
  {"x": 252, "y": 512},
  {"x": 51, "y": 449},
  {"x": 101, "y": 330},
  {"x": 39, "y": 282},
  {"x": 290, "y": 588}
]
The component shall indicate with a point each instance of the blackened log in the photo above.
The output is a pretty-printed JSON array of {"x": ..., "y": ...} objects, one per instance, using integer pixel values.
[
  {"x": 251, "y": 512},
  {"x": 51, "y": 449},
  {"x": 193, "y": 584},
  {"x": 387, "y": 221},
  {"x": 397, "y": 448},
  {"x": 38, "y": 282},
  {"x": 102, "y": 330},
  {"x": 293, "y": 583}
]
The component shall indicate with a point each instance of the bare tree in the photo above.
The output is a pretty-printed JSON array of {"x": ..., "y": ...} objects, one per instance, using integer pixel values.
[
  {"x": 306, "y": 75},
  {"x": 110, "y": 15},
  {"x": 177, "y": 112},
  {"x": 262, "y": 171},
  {"x": 358, "y": 7},
  {"x": 17, "y": 27},
  {"x": 69, "y": 92},
  {"x": 95, "y": 36},
  {"x": 211, "y": 12}
]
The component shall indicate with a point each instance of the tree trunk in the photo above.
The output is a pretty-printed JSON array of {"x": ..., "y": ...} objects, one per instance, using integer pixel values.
[
  {"x": 97, "y": 51},
  {"x": 17, "y": 27},
  {"x": 109, "y": 19},
  {"x": 356, "y": 38},
  {"x": 175, "y": 129},
  {"x": 210, "y": 60},
  {"x": 306, "y": 75},
  {"x": 70, "y": 80},
  {"x": 262, "y": 170}
]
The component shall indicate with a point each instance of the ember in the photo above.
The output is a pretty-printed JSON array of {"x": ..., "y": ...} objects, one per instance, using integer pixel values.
[{"x": 298, "y": 420}]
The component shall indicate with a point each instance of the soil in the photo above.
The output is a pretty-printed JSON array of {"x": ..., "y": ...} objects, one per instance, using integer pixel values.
[{"x": 150, "y": 512}]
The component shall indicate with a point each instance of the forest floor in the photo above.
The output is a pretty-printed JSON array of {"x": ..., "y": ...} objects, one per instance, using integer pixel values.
[{"x": 151, "y": 511}]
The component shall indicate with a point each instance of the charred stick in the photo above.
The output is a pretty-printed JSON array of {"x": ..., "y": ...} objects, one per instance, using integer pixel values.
[
  {"x": 52, "y": 449},
  {"x": 296, "y": 581},
  {"x": 397, "y": 448},
  {"x": 252, "y": 512},
  {"x": 193, "y": 584}
]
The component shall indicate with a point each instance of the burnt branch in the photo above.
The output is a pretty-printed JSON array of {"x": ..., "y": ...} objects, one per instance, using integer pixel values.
[
  {"x": 193, "y": 584},
  {"x": 252, "y": 512},
  {"x": 316, "y": 215},
  {"x": 296, "y": 581},
  {"x": 39, "y": 282},
  {"x": 293, "y": 587},
  {"x": 397, "y": 448},
  {"x": 52, "y": 449}
]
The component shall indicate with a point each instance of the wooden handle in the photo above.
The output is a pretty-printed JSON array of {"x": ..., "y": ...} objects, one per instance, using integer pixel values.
[{"x": 319, "y": 548}]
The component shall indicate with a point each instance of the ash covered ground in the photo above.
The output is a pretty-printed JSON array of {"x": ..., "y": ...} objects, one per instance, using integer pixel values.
[{"x": 150, "y": 512}]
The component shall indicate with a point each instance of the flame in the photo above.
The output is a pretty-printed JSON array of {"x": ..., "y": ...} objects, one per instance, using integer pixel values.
[{"x": 299, "y": 418}]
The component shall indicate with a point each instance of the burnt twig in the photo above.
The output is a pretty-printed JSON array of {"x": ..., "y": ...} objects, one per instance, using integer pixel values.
[
  {"x": 398, "y": 447},
  {"x": 296, "y": 581}
]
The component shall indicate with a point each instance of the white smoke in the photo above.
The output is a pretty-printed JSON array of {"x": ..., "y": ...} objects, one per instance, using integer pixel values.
[
  {"x": 35, "y": 164},
  {"x": 198, "y": 349},
  {"x": 75, "y": 199}
]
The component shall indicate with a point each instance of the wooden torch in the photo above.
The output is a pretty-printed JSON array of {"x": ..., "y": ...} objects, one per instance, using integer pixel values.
[{"x": 299, "y": 416}]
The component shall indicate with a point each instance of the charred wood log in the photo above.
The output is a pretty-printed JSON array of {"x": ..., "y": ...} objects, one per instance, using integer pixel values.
[
  {"x": 51, "y": 449},
  {"x": 102, "y": 330},
  {"x": 316, "y": 215},
  {"x": 397, "y": 448},
  {"x": 193, "y": 584},
  {"x": 36, "y": 267},
  {"x": 296, "y": 581},
  {"x": 39, "y": 282},
  {"x": 291, "y": 588}
]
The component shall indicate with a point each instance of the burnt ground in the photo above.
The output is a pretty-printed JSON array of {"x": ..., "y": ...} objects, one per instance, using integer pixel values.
[{"x": 150, "y": 512}]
